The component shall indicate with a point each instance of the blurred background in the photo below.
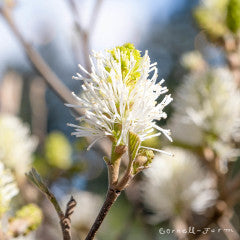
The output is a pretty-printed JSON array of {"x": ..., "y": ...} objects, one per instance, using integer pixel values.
[{"x": 196, "y": 46}]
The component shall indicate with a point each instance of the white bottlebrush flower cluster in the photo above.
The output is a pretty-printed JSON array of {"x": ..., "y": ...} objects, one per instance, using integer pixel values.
[
  {"x": 119, "y": 96},
  {"x": 16, "y": 144},
  {"x": 8, "y": 188},
  {"x": 173, "y": 186},
  {"x": 208, "y": 105}
]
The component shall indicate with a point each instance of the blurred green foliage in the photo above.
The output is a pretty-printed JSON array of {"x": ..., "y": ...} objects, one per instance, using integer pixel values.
[
  {"x": 56, "y": 159},
  {"x": 233, "y": 15},
  {"x": 29, "y": 216},
  {"x": 211, "y": 17},
  {"x": 218, "y": 17},
  {"x": 58, "y": 150}
]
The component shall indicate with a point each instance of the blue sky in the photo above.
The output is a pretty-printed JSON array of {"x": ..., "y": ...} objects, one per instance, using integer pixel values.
[{"x": 42, "y": 21}]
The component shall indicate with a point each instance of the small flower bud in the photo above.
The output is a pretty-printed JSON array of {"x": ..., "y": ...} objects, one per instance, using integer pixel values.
[
  {"x": 143, "y": 160},
  {"x": 121, "y": 149}
]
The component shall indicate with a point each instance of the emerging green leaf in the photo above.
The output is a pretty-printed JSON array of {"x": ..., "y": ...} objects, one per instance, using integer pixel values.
[{"x": 133, "y": 145}]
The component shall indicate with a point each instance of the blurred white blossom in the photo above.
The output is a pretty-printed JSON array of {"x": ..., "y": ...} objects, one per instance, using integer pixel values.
[
  {"x": 31, "y": 236},
  {"x": 173, "y": 186},
  {"x": 8, "y": 189},
  {"x": 193, "y": 61},
  {"x": 207, "y": 110},
  {"x": 16, "y": 144},
  {"x": 119, "y": 96}
]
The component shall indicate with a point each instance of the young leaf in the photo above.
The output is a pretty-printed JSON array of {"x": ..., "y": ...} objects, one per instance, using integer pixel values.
[{"x": 133, "y": 145}]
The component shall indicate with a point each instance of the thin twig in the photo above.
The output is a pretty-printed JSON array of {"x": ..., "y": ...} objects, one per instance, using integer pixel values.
[
  {"x": 116, "y": 186},
  {"x": 48, "y": 75},
  {"x": 82, "y": 34},
  {"x": 111, "y": 197},
  {"x": 85, "y": 34},
  {"x": 114, "y": 164},
  {"x": 113, "y": 192},
  {"x": 65, "y": 221},
  {"x": 231, "y": 233},
  {"x": 234, "y": 184},
  {"x": 179, "y": 224},
  {"x": 94, "y": 16},
  {"x": 40, "y": 65}
]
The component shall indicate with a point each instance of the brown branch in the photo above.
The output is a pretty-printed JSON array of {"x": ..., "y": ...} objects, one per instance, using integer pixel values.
[
  {"x": 227, "y": 194},
  {"x": 220, "y": 211},
  {"x": 115, "y": 186},
  {"x": 234, "y": 184},
  {"x": 40, "y": 65},
  {"x": 224, "y": 223},
  {"x": 70, "y": 207},
  {"x": 114, "y": 164},
  {"x": 113, "y": 172},
  {"x": 85, "y": 34},
  {"x": 94, "y": 16},
  {"x": 111, "y": 197},
  {"x": 179, "y": 224},
  {"x": 65, "y": 221},
  {"x": 48, "y": 75},
  {"x": 127, "y": 177},
  {"x": 114, "y": 189},
  {"x": 82, "y": 34}
]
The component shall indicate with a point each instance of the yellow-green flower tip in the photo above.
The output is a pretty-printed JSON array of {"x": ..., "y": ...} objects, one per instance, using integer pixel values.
[
  {"x": 128, "y": 51},
  {"x": 32, "y": 214}
]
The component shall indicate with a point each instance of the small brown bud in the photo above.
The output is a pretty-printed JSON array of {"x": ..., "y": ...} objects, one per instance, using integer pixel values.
[
  {"x": 121, "y": 149},
  {"x": 141, "y": 160}
]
